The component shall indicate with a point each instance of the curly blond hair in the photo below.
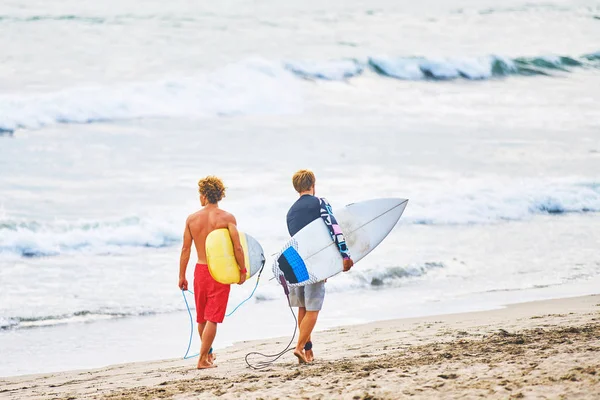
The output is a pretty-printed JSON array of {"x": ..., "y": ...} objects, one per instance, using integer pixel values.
[
  {"x": 303, "y": 180},
  {"x": 212, "y": 188}
]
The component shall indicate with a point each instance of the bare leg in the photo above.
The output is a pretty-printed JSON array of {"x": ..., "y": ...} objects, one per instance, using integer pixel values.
[
  {"x": 309, "y": 319},
  {"x": 208, "y": 336},
  {"x": 211, "y": 357},
  {"x": 301, "y": 314},
  {"x": 201, "y": 329},
  {"x": 308, "y": 353}
]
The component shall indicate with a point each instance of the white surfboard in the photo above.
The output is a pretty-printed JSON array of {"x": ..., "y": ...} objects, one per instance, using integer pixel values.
[{"x": 311, "y": 255}]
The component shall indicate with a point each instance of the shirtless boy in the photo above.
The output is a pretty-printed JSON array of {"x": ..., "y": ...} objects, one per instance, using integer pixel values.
[{"x": 211, "y": 297}]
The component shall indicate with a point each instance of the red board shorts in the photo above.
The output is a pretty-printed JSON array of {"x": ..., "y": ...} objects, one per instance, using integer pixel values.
[{"x": 211, "y": 296}]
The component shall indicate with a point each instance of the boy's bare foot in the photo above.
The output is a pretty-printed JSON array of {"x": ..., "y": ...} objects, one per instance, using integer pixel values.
[
  {"x": 300, "y": 355},
  {"x": 212, "y": 357},
  {"x": 309, "y": 355},
  {"x": 204, "y": 364}
]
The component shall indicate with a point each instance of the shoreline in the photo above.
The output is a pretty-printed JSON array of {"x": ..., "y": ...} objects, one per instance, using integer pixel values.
[{"x": 416, "y": 356}]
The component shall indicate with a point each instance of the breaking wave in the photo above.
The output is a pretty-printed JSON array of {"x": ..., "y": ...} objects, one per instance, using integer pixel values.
[
  {"x": 34, "y": 239},
  {"x": 255, "y": 87},
  {"x": 482, "y": 203}
]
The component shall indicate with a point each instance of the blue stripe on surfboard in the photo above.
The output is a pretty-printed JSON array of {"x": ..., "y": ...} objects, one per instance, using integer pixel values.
[{"x": 297, "y": 264}]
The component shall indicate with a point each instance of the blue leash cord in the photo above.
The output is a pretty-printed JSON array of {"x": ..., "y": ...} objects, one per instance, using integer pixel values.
[
  {"x": 249, "y": 297},
  {"x": 191, "y": 326},
  {"x": 185, "y": 357}
]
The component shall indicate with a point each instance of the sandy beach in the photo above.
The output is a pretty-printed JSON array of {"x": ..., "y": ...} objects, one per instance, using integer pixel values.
[{"x": 546, "y": 349}]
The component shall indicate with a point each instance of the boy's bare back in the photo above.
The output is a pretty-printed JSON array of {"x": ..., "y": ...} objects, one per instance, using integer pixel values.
[{"x": 203, "y": 222}]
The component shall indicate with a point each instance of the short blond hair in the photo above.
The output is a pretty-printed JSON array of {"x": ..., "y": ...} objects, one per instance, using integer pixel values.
[
  {"x": 303, "y": 180},
  {"x": 212, "y": 188}
]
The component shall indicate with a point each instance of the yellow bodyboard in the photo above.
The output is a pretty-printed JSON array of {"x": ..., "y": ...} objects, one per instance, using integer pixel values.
[{"x": 221, "y": 258}]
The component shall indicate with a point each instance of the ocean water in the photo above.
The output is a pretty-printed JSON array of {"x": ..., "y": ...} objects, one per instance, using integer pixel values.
[{"x": 485, "y": 114}]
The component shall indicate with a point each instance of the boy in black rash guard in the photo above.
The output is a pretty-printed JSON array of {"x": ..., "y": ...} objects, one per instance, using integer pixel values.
[{"x": 309, "y": 298}]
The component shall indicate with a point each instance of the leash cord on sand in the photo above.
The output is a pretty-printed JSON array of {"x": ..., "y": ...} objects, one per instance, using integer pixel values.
[
  {"x": 185, "y": 357},
  {"x": 273, "y": 357}
]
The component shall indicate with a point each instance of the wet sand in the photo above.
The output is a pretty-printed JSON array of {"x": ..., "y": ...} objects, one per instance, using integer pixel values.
[{"x": 547, "y": 349}]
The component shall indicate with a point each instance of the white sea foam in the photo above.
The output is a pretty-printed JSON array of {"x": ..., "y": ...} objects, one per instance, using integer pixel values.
[
  {"x": 250, "y": 87},
  {"x": 479, "y": 201},
  {"x": 32, "y": 239}
]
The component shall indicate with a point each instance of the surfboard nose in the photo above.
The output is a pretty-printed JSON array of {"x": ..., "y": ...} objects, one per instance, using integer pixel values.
[
  {"x": 397, "y": 207},
  {"x": 391, "y": 208},
  {"x": 367, "y": 223},
  {"x": 389, "y": 211}
]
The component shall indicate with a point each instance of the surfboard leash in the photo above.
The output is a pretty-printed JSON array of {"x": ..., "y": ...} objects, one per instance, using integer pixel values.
[
  {"x": 251, "y": 294},
  {"x": 185, "y": 357},
  {"x": 274, "y": 357},
  {"x": 271, "y": 358}
]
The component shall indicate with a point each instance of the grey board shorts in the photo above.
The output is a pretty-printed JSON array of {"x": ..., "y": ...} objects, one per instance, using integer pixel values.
[{"x": 308, "y": 296}]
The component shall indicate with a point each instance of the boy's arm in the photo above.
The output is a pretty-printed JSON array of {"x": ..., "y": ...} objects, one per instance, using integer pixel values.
[
  {"x": 238, "y": 251},
  {"x": 185, "y": 256}
]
